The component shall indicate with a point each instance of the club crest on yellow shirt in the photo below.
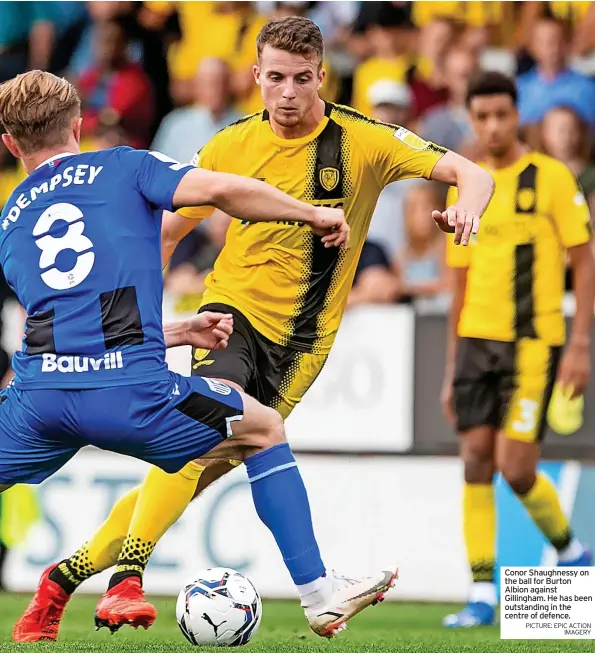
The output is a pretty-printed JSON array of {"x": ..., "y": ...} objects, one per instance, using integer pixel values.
[
  {"x": 526, "y": 199},
  {"x": 329, "y": 178}
]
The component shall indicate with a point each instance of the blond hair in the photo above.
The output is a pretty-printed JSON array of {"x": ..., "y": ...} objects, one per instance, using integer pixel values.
[{"x": 37, "y": 108}]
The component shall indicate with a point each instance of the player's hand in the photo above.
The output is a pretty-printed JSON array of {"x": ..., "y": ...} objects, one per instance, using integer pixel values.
[
  {"x": 331, "y": 225},
  {"x": 447, "y": 400},
  {"x": 575, "y": 370},
  {"x": 208, "y": 330},
  {"x": 458, "y": 222}
]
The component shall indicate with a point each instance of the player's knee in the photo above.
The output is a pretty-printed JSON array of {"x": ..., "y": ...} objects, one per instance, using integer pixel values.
[
  {"x": 263, "y": 429},
  {"x": 478, "y": 464},
  {"x": 519, "y": 478},
  {"x": 271, "y": 430},
  {"x": 268, "y": 431}
]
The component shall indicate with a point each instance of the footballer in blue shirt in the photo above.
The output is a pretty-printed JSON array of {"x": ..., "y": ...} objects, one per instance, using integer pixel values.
[{"x": 80, "y": 247}]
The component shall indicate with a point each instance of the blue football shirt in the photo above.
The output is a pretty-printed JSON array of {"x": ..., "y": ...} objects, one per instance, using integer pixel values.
[{"x": 80, "y": 245}]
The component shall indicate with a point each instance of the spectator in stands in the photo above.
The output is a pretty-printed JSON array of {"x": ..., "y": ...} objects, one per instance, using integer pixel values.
[
  {"x": 485, "y": 22},
  {"x": 335, "y": 20},
  {"x": 391, "y": 103},
  {"x": 552, "y": 83},
  {"x": 566, "y": 137},
  {"x": 223, "y": 30},
  {"x": 375, "y": 280},
  {"x": 577, "y": 17},
  {"x": 361, "y": 43},
  {"x": 448, "y": 124},
  {"x": 288, "y": 8},
  {"x": 71, "y": 20},
  {"x": 426, "y": 77},
  {"x": 388, "y": 58},
  {"x": 583, "y": 37},
  {"x": 195, "y": 42},
  {"x": 145, "y": 47},
  {"x": 114, "y": 91},
  {"x": 28, "y": 32},
  {"x": 243, "y": 23},
  {"x": 420, "y": 263},
  {"x": 185, "y": 130}
]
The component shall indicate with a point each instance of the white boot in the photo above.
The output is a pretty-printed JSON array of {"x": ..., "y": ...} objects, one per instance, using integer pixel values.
[{"x": 349, "y": 596}]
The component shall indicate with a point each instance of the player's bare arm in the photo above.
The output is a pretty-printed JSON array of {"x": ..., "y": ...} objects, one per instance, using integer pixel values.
[
  {"x": 575, "y": 366},
  {"x": 206, "y": 330},
  {"x": 476, "y": 187},
  {"x": 254, "y": 201},
  {"x": 174, "y": 227}
]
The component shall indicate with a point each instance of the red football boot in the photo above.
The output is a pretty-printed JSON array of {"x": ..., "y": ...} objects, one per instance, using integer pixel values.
[
  {"x": 124, "y": 604},
  {"x": 41, "y": 620}
]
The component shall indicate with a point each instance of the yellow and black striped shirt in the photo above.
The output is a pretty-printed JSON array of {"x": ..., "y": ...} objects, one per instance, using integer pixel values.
[
  {"x": 515, "y": 281},
  {"x": 279, "y": 275}
]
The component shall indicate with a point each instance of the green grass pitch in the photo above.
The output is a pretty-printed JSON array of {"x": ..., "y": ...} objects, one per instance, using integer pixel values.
[{"x": 400, "y": 627}]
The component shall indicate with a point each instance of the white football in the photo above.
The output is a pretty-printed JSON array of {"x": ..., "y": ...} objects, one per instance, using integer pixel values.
[{"x": 219, "y": 608}]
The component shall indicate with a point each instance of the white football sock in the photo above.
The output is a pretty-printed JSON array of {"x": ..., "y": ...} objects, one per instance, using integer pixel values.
[
  {"x": 573, "y": 551},
  {"x": 484, "y": 593},
  {"x": 316, "y": 593}
]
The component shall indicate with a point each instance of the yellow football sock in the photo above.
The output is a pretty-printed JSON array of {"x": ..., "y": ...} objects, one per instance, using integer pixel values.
[
  {"x": 104, "y": 547},
  {"x": 543, "y": 504},
  {"x": 479, "y": 526},
  {"x": 102, "y": 550},
  {"x": 161, "y": 502}
]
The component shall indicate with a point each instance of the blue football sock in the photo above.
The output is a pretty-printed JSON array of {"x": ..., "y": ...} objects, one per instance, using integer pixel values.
[{"x": 281, "y": 502}]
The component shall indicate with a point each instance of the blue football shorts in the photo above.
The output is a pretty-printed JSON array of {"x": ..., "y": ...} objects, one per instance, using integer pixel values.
[{"x": 167, "y": 424}]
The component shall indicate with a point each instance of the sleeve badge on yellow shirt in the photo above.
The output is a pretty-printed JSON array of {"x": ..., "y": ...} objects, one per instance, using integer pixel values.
[
  {"x": 414, "y": 141},
  {"x": 329, "y": 178},
  {"x": 579, "y": 199}
]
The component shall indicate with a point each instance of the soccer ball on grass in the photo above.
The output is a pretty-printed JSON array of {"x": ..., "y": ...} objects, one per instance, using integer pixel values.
[{"x": 220, "y": 608}]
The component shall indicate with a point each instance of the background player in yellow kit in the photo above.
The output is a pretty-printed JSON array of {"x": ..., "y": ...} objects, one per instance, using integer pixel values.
[
  {"x": 507, "y": 331},
  {"x": 285, "y": 289}
]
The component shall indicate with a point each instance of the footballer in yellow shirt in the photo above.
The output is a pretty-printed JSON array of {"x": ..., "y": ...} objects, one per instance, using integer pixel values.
[
  {"x": 507, "y": 331},
  {"x": 285, "y": 289}
]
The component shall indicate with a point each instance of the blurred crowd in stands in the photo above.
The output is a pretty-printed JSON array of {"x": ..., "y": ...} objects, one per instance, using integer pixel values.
[{"x": 169, "y": 75}]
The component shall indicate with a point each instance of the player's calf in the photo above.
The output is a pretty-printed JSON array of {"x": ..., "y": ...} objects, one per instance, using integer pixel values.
[{"x": 518, "y": 462}]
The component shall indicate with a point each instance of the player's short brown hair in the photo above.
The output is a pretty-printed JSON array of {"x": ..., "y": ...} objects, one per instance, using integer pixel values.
[
  {"x": 293, "y": 34},
  {"x": 37, "y": 108}
]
